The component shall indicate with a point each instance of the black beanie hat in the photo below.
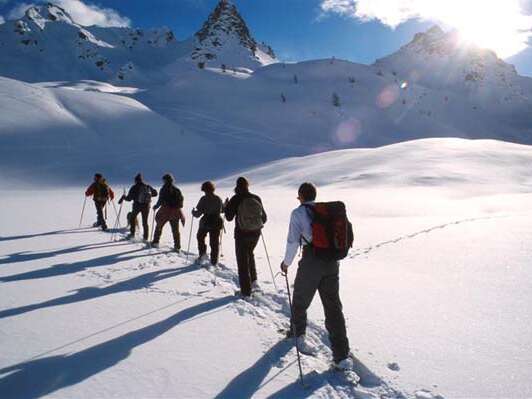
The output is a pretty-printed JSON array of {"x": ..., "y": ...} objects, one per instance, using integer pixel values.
[{"x": 168, "y": 178}]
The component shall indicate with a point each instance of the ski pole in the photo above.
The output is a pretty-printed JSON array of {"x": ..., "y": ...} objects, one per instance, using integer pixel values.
[
  {"x": 269, "y": 263},
  {"x": 222, "y": 241},
  {"x": 117, "y": 222},
  {"x": 190, "y": 237},
  {"x": 221, "y": 245},
  {"x": 293, "y": 328},
  {"x": 82, "y": 212},
  {"x": 152, "y": 227},
  {"x": 116, "y": 213}
]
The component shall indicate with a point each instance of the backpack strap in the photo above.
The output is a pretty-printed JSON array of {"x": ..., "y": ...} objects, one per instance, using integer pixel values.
[{"x": 310, "y": 213}]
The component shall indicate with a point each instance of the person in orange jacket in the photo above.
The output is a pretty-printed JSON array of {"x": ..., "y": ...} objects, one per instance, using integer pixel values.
[{"x": 101, "y": 193}]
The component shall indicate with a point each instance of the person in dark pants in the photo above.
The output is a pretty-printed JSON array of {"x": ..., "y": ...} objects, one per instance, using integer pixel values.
[
  {"x": 250, "y": 218},
  {"x": 314, "y": 274},
  {"x": 209, "y": 208},
  {"x": 101, "y": 193},
  {"x": 141, "y": 195},
  {"x": 171, "y": 204}
]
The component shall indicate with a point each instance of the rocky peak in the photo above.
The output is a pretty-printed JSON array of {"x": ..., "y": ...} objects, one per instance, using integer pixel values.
[
  {"x": 225, "y": 41},
  {"x": 225, "y": 21},
  {"x": 43, "y": 14}
]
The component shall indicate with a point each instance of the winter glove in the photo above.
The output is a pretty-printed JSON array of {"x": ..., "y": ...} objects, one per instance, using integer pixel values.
[
  {"x": 183, "y": 220},
  {"x": 155, "y": 207},
  {"x": 284, "y": 268},
  {"x": 122, "y": 198}
]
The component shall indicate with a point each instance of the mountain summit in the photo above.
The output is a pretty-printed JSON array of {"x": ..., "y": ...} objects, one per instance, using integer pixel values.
[
  {"x": 42, "y": 14},
  {"x": 226, "y": 40},
  {"x": 438, "y": 59}
]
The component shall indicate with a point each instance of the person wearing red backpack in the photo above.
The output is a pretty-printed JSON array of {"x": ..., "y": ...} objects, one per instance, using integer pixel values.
[
  {"x": 101, "y": 193},
  {"x": 312, "y": 226}
]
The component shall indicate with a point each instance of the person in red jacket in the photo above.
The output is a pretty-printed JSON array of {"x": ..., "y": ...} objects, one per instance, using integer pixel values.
[{"x": 101, "y": 193}]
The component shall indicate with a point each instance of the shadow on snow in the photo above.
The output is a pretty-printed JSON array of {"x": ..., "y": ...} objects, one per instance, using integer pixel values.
[
  {"x": 88, "y": 293},
  {"x": 27, "y": 256},
  {"x": 75, "y": 267},
  {"x": 48, "y": 233},
  {"x": 36, "y": 378}
]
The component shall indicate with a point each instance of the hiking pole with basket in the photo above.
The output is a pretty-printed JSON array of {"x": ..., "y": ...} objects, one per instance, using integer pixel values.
[
  {"x": 82, "y": 212},
  {"x": 293, "y": 328},
  {"x": 116, "y": 213},
  {"x": 117, "y": 221},
  {"x": 269, "y": 263},
  {"x": 221, "y": 242},
  {"x": 190, "y": 237}
]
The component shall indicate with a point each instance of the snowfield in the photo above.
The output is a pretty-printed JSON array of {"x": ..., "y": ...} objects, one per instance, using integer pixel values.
[{"x": 436, "y": 291}]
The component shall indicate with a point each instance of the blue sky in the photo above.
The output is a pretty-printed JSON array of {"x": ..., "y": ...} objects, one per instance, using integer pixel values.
[{"x": 296, "y": 29}]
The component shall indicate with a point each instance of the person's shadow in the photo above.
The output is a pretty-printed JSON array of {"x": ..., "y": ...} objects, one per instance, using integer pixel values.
[
  {"x": 88, "y": 293},
  {"x": 36, "y": 378},
  {"x": 48, "y": 233},
  {"x": 314, "y": 381},
  {"x": 26, "y": 256},
  {"x": 75, "y": 267},
  {"x": 249, "y": 381}
]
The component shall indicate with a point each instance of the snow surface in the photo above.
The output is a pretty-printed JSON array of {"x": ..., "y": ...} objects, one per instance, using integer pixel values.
[{"x": 436, "y": 291}]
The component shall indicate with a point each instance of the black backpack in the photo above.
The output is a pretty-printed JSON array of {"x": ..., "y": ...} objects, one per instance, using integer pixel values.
[
  {"x": 143, "y": 194},
  {"x": 101, "y": 191},
  {"x": 332, "y": 233},
  {"x": 175, "y": 198}
]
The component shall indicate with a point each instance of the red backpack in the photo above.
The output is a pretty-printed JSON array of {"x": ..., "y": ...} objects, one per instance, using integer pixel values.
[{"x": 332, "y": 233}]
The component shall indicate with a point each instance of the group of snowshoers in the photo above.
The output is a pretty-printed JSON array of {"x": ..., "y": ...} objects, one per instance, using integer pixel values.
[{"x": 321, "y": 231}]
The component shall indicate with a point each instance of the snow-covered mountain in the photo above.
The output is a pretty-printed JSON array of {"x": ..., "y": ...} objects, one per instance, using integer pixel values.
[
  {"x": 46, "y": 44},
  {"x": 226, "y": 40},
  {"x": 439, "y": 59}
]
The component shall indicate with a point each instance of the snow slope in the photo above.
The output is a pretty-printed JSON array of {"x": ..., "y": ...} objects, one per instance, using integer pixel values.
[
  {"x": 62, "y": 134},
  {"x": 436, "y": 290}
]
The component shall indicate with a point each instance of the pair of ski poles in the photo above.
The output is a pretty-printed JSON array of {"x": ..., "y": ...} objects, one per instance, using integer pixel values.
[{"x": 117, "y": 221}]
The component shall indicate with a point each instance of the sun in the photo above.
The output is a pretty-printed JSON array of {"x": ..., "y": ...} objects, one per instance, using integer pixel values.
[{"x": 498, "y": 25}]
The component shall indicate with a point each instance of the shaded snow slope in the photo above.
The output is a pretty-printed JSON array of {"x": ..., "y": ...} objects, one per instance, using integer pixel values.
[
  {"x": 435, "y": 291},
  {"x": 63, "y": 134}
]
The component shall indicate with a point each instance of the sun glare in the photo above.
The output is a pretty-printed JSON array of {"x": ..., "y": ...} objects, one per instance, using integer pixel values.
[{"x": 498, "y": 25}]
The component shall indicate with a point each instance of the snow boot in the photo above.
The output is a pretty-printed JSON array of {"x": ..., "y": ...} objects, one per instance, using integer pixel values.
[
  {"x": 344, "y": 364},
  {"x": 255, "y": 286},
  {"x": 202, "y": 259}
]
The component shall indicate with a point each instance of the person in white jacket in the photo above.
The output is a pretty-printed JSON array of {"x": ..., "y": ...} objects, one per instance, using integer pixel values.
[{"x": 314, "y": 274}]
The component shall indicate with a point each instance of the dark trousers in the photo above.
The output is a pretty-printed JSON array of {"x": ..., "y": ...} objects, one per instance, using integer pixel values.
[
  {"x": 165, "y": 215},
  {"x": 100, "y": 219},
  {"x": 313, "y": 275},
  {"x": 144, "y": 210},
  {"x": 214, "y": 242},
  {"x": 247, "y": 272}
]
